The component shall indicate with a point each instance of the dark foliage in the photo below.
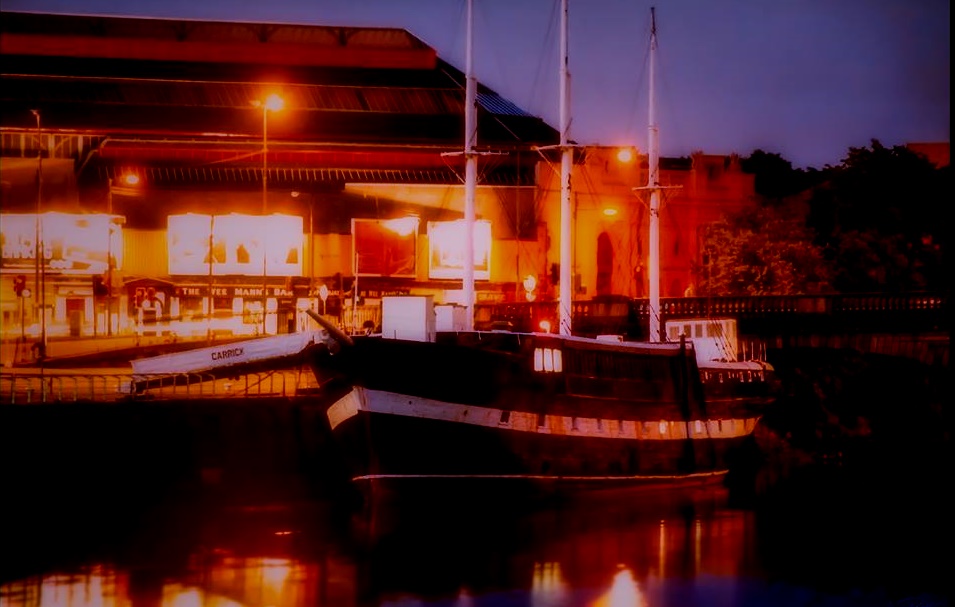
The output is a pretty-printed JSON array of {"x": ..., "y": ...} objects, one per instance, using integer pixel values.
[
  {"x": 881, "y": 219},
  {"x": 875, "y": 223}
]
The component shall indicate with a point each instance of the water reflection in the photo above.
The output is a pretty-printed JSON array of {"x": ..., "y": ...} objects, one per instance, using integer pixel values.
[
  {"x": 612, "y": 551},
  {"x": 624, "y": 592},
  {"x": 618, "y": 548}
]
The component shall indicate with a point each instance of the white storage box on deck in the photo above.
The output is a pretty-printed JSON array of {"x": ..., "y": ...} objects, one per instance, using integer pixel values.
[
  {"x": 451, "y": 317},
  {"x": 408, "y": 317}
]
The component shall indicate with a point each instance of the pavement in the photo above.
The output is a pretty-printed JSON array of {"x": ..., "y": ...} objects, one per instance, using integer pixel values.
[{"x": 113, "y": 351}]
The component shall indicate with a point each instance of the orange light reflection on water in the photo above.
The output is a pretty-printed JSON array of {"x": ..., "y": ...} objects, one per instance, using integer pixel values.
[
  {"x": 102, "y": 587},
  {"x": 548, "y": 586},
  {"x": 231, "y": 582},
  {"x": 624, "y": 592}
]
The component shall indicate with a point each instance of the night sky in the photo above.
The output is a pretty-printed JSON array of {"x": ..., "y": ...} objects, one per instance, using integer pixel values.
[{"x": 806, "y": 79}]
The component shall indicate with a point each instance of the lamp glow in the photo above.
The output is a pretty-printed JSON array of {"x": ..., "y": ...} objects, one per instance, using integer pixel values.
[
  {"x": 402, "y": 226},
  {"x": 274, "y": 103}
]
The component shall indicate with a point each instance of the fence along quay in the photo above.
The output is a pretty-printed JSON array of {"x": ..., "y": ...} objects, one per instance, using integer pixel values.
[
  {"x": 914, "y": 325},
  {"x": 262, "y": 367},
  {"x": 911, "y": 325}
]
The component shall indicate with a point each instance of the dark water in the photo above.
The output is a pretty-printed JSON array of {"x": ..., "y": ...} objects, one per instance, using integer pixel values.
[{"x": 815, "y": 535}]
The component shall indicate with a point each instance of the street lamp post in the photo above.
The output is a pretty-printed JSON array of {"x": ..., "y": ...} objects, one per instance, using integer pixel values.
[
  {"x": 39, "y": 269},
  {"x": 124, "y": 185},
  {"x": 272, "y": 102},
  {"x": 211, "y": 306},
  {"x": 109, "y": 258}
]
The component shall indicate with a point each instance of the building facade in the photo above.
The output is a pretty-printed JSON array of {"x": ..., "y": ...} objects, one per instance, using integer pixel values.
[{"x": 148, "y": 185}]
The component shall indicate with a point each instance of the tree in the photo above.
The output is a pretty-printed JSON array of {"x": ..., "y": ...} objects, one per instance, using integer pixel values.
[
  {"x": 765, "y": 250},
  {"x": 880, "y": 218},
  {"x": 775, "y": 177}
]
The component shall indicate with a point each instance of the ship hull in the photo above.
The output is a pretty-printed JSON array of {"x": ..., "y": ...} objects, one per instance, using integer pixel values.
[{"x": 488, "y": 409}]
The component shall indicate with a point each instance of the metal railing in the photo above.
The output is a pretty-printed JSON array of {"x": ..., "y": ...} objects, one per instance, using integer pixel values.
[
  {"x": 905, "y": 312},
  {"x": 33, "y": 387}
]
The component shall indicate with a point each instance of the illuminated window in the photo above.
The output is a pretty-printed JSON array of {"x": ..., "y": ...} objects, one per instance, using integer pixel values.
[{"x": 548, "y": 360}]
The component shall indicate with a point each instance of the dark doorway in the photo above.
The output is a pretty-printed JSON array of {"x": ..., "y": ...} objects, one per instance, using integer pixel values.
[{"x": 604, "y": 265}]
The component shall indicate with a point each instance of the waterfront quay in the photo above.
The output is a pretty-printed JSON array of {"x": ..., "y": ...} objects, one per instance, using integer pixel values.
[
  {"x": 98, "y": 370},
  {"x": 258, "y": 433},
  {"x": 79, "y": 408}
]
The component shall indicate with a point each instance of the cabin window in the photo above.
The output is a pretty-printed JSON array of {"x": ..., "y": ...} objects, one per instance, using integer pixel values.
[{"x": 548, "y": 360}]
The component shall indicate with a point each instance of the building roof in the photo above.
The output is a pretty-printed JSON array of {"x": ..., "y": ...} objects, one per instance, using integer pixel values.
[{"x": 361, "y": 104}]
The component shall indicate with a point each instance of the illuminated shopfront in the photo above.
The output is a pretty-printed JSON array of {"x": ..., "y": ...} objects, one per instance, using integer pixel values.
[{"x": 80, "y": 257}]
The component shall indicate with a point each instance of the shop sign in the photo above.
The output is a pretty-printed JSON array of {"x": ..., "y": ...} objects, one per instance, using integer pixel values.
[
  {"x": 72, "y": 243},
  {"x": 203, "y": 291},
  {"x": 446, "y": 249},
  {"x": 385, "y": 247},
  {"x": 244, "y": 245},
  {"x": 379, "y": 293}
]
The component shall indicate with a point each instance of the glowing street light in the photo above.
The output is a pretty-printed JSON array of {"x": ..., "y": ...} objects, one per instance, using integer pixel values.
[{"x": 272, "y": 103}]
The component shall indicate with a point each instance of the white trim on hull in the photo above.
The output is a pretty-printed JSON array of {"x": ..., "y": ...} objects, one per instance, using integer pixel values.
[
  {"x": 381, "y": 402},
  {"x": 702, "y": 476}
]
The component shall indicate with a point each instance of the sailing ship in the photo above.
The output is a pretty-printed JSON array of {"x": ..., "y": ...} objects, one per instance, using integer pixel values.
[{"x": 416, "y": 403}]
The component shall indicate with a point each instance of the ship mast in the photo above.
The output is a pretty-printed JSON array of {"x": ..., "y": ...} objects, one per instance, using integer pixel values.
[
  {"x": 566, "y": 162},
  {"x": 653, "y": 185},
  {"x": 470, "y": 170},
  {"x": 656, "y": 190}
]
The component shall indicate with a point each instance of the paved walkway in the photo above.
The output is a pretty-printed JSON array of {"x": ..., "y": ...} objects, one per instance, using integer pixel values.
[{"x": 84, "y": 350}]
